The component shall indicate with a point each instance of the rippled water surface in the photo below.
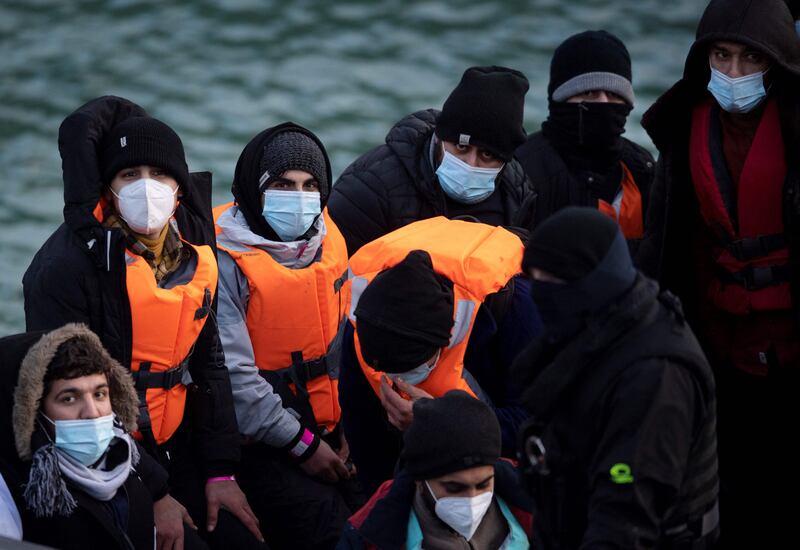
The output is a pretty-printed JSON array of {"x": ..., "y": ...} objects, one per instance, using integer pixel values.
[{"x": 219, "y": 72}]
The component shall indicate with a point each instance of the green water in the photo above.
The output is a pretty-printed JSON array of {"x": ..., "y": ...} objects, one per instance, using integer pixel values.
[{"x": 219, "y": 72}]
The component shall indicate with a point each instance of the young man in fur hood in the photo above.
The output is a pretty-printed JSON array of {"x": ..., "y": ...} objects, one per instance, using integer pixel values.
[{"x": 76, "y": 474}]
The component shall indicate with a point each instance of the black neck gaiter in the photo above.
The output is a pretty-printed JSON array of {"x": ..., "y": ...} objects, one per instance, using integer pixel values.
[
  {"x": 587, "y": 136},
  {"x": 564, "y": 307}
]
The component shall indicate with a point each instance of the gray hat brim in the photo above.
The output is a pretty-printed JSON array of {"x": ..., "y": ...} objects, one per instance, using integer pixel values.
[{"x": 608, "y": 82}]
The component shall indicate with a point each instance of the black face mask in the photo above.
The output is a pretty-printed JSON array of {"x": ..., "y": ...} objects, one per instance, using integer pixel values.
[{"x": 587, "y": 135}]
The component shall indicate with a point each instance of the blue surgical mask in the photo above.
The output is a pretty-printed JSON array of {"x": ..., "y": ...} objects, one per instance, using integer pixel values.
[
  {"x": 737, "y": 95},
  {"x": 797, "y": 27},
  {"x": 84, "y": 440},
  {"x": 291, "y": 213},
  {"x": 463, "y": 182},
  {"x": 416, "y": 375}
]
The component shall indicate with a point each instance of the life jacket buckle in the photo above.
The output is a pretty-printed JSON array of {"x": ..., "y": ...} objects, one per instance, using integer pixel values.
[
  {"x": 756, "y": 247},
  {"x": 754, "y": 278},
  {"x": 205, "y": 308}
]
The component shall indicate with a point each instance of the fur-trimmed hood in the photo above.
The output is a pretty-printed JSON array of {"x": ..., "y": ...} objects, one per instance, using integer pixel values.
[{"x": 30, "y": 383}]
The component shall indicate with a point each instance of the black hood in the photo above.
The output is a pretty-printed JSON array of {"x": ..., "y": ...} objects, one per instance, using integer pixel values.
[
  {"x": 245, "y": 187},
  {"x": 766, "y": 25}
]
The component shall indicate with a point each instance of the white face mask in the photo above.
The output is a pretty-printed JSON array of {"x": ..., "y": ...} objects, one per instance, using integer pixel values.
[
  {"x": 146, "y": 205},
  {"x": 462, "y": 514}
]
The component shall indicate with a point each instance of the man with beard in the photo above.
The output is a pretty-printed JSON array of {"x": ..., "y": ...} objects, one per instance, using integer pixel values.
[{"x": 579, "y": 157}]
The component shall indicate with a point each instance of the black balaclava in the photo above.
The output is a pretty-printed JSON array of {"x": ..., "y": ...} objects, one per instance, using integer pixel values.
[
  {"x": 584, "y": 248},
  {"x": 405, "y": 315},
  {"x": 264, "y": 152},
  {"x": 588, "y": 135}
]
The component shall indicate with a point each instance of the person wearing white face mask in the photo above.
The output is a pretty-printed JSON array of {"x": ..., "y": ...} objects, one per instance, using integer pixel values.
[
  {"x": 452, "y": 491},
  {"x": 79, "y": 478},
  {"x": 457, "y": 163},
  {"x": 722, "y": 233},
  {"x": 134, "y": 261},
  {"x": 282, "y": 305}
]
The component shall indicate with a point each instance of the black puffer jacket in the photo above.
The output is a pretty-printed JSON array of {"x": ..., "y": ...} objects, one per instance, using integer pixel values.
[
  {"x": 395, "y": 184},
  {"x": 627, "y": 415},
  {"x": 78, "y": 275},
  {"x": 557, "y": 186},
  {"x": 673, "y": 214}
]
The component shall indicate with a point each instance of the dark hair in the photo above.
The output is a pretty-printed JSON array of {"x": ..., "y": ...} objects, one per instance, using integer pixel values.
[{"x": 73, "y": 359}]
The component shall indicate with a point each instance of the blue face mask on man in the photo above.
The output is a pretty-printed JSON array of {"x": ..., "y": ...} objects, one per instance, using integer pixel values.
[
  {"x": 291, "y": 213},
  {"x": 737, "y": 95},
  {"x": 85, "y": 440},
  {"x": 416, "y": 375},
  {"x": 463, "y": 182}
]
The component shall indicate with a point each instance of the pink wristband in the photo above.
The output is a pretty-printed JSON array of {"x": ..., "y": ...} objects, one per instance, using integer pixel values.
[
  {"x": 301, "y": 446},
  {"x": 221, "y": 478}
]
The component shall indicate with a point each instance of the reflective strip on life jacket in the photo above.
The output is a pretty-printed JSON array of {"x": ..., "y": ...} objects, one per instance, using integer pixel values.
[
  {"x": 626, "y": 209},
  {"x": 295, "y": 315},
  {"x": 745, "y": 216},
  {"x": 166, "y": 323},
  {"x": 479, "y": 259}
]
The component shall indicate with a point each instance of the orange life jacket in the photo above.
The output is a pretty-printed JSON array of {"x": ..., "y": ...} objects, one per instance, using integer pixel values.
[
  {"x": 626, "y": 209},
  {"x": 295, "y": 315},
  {"x": 752, "y": 252},
  {"x": 479, "y": 259},
  {"x": 165, "y": 324}
]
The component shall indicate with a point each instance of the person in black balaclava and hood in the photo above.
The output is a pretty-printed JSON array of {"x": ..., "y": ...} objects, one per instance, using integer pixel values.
[
  {"x": 580, "y": 158},
  {"x": 620, "y": 449}
]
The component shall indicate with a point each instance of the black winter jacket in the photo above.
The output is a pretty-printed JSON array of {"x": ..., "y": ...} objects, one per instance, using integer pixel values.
[
  {"x": 673, "y": 215},
  {"x": 91, "y": 524},
  {"x": 79, "y": 276},
  {"x": 395, "y": 184},
  {"x": 626, "y": 414},
  {"x": 557, "y": 186}
]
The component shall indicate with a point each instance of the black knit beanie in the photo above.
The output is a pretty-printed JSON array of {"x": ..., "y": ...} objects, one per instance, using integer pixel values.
[
  {"x": 247, "y": 184},
  {"x": 405, "y": 315},
  {"x": 591, "y": 60},
  {"x": 570, "y": 243},
  {"x": 292, "y": 150},
  {"x": 449, "y": 434},
  {"x": 143, "y": 140},
  {"x": 485, "y": 110}
]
